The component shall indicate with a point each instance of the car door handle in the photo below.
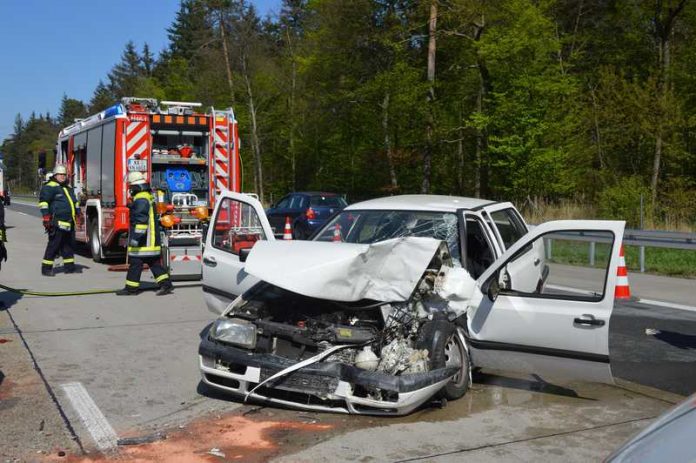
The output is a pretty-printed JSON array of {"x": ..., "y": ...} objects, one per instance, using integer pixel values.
[
  {"x": 537, "y": 261},
  {"x": 588, "y": 320},
  {"x": 210, "y": 261}
]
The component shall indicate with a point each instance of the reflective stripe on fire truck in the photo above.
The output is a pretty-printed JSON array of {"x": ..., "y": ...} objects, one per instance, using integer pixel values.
[
  {"x": 222, "y": 154},
  {"x": 184, "y": 258},
  {"x": 137, "y": 138}
]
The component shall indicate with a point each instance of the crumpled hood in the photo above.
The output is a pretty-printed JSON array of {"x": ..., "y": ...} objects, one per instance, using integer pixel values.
[{"x": 387, "y": 271}]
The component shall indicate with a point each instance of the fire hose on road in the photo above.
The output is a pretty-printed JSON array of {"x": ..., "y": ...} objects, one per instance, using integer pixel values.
[
  {"x": 87, "y": 292},
  {"x": 28, "y": 292}
]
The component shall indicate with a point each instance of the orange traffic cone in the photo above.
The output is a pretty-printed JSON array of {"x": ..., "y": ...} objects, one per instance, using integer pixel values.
[
  {"x": 337, "y": 238},
  {"x": 622, "y": 290},
  {"x": 287, "y": 233}
]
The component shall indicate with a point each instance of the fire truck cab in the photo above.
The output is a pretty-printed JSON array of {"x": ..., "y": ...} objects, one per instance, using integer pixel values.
[{"x": 188, "y": 157}]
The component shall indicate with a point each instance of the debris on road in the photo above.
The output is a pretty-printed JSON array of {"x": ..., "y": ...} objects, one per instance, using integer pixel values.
[{"x": 216, "y": 452}]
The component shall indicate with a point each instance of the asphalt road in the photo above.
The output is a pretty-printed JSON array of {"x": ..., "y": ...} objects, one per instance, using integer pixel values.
[
  {"x": 664, "y": 357},
  {"x": 135, "y": 361}
]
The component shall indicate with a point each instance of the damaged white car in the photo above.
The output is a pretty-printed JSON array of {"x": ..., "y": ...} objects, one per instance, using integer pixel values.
[{"x": 383, "y": 328}]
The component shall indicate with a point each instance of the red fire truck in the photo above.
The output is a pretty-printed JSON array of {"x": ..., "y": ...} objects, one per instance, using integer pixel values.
[{"x": 187, "y": 156}]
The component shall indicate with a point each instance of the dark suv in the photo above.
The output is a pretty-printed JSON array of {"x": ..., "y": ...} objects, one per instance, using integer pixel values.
[{"x": 307, "y": 210}]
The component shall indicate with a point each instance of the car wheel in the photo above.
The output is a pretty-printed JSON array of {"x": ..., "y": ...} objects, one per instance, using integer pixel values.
[
  {"x": 94, "y": 242},
  {"x": 455, "y": 355},
  {"x": 299, "y": 232},
  {"x": 446, "y": 349}
]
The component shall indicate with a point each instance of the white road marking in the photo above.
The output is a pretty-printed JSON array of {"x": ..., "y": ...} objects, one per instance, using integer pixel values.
[
  {"x": 92, "y": 418},
  {"x": 669, "y": 305}
]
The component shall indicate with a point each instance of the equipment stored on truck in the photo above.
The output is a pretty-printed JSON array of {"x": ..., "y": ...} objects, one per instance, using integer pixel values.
[{"x": 188, "y": 158}]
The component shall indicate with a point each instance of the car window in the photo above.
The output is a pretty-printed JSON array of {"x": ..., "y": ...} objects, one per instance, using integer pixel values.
[
  {"x": 574, "y": 265},
  {"x": 295, "y": 202},
  {"x": 374, "y": 226},
  {"x": 327, "y": 201},
  {"x": 508, "y": 226},
  {"x": 283, "y": 203},
  {"x": 479, "y": 253},
  {"x": 236, "y": 226}
]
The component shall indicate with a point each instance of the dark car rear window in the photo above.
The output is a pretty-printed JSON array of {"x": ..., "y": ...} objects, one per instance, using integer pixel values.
[{"x": 327, "y": 201}]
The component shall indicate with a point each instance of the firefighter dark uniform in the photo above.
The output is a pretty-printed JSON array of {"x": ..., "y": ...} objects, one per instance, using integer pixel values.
[
  {"x": 144, "y": 244},
  {"x": 3, "y": 234},
  {"x": 58, "y": 208}
]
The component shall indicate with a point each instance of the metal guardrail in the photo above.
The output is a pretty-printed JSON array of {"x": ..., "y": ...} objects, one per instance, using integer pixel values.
[{"x": 639, "y": 238}]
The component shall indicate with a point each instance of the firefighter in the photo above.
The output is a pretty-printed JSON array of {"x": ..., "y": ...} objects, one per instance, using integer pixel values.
[
  {"x": 3, "y": 234},
  {"x": 144, "y": 241},
  {"x": 58, "y": 208}
]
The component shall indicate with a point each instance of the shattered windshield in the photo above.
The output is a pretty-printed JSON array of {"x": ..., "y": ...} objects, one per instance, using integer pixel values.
[{"x": 367, "y": 227}]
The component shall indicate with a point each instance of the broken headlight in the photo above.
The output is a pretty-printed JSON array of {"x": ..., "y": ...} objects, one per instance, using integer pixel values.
[{"x": 234, "y": 331}]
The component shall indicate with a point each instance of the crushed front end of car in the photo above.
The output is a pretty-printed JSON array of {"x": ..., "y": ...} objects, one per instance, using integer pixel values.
[{"x": 353, "y": 356}]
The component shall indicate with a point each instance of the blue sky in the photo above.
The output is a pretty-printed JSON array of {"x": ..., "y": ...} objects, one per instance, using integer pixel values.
[{"x": 51, "y": 47}]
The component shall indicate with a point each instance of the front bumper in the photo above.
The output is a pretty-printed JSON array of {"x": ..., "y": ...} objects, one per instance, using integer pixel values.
[{"x": 323, "y": 386}]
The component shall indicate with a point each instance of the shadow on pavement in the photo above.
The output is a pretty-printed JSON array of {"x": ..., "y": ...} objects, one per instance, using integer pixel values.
[
  {"x": 680, "y": 340},
  {"x": 8, "y": 299},
  {"x": 78, "y": 269},
  {"x": 536, "y": 385}
]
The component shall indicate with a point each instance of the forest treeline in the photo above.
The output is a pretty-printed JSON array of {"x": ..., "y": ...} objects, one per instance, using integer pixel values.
[{"x": 534, "y": 101}]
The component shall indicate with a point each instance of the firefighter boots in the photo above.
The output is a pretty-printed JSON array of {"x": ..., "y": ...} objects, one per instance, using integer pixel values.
[
  {"x": 165, "y": 288},
  {"x": 127, "y": 292}
]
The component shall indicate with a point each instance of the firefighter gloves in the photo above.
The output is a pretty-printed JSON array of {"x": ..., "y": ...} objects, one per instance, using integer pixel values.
[{"x": 47, "y": 223}]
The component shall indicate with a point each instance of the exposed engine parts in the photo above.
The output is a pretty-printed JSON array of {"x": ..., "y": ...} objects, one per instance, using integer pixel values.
[{"x": 394, "y": 338}]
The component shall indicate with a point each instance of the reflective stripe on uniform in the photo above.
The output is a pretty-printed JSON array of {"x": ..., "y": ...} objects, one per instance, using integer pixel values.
[
  {"x": 145, "y": 252},
  {"x": 161, "y": 278},
  {"x": 70, "y": 201},
  {"x": 141, "y": 226},
  {"x": 133, "y": 284},
  {"x": 69, "y": 261},
  {"x": 43, "y": 205},
  {"x": 47, "y": 262}
]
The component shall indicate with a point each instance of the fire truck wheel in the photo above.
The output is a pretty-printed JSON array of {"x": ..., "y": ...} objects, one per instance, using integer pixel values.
[{"x": 94, "y": 243}]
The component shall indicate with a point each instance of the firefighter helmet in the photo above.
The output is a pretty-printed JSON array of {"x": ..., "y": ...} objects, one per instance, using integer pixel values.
[
  {"x": 60, "y": 169},
  {"x": 136, "y": 178}
]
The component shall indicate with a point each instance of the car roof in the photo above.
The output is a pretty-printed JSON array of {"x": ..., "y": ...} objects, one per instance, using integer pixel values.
[
  {"x": 313, "y": 193},
  {"x": 421, "y": 203}
]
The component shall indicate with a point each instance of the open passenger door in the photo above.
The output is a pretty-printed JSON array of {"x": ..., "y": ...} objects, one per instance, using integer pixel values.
[
  {"x": 561, "y": 328},
  {"x": 237, "y": 224}
]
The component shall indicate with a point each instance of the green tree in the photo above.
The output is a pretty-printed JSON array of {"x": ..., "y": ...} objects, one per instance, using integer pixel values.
[
  {"x": 125, "y": 76},
  {"x": 70, "y": 109},
  {"x": 102, "y": 98}
]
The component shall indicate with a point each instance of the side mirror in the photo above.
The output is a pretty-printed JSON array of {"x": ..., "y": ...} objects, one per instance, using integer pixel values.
[
  {"x": 244, "y": 254},
  {"x": 493, "y": 288}
]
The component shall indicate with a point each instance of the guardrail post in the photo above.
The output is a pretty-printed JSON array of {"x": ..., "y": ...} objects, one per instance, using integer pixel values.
[
  {"x": 548, "y": 246},
  {"x": 592, "y": 253},
  {"x": 642, "y": 259}
]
